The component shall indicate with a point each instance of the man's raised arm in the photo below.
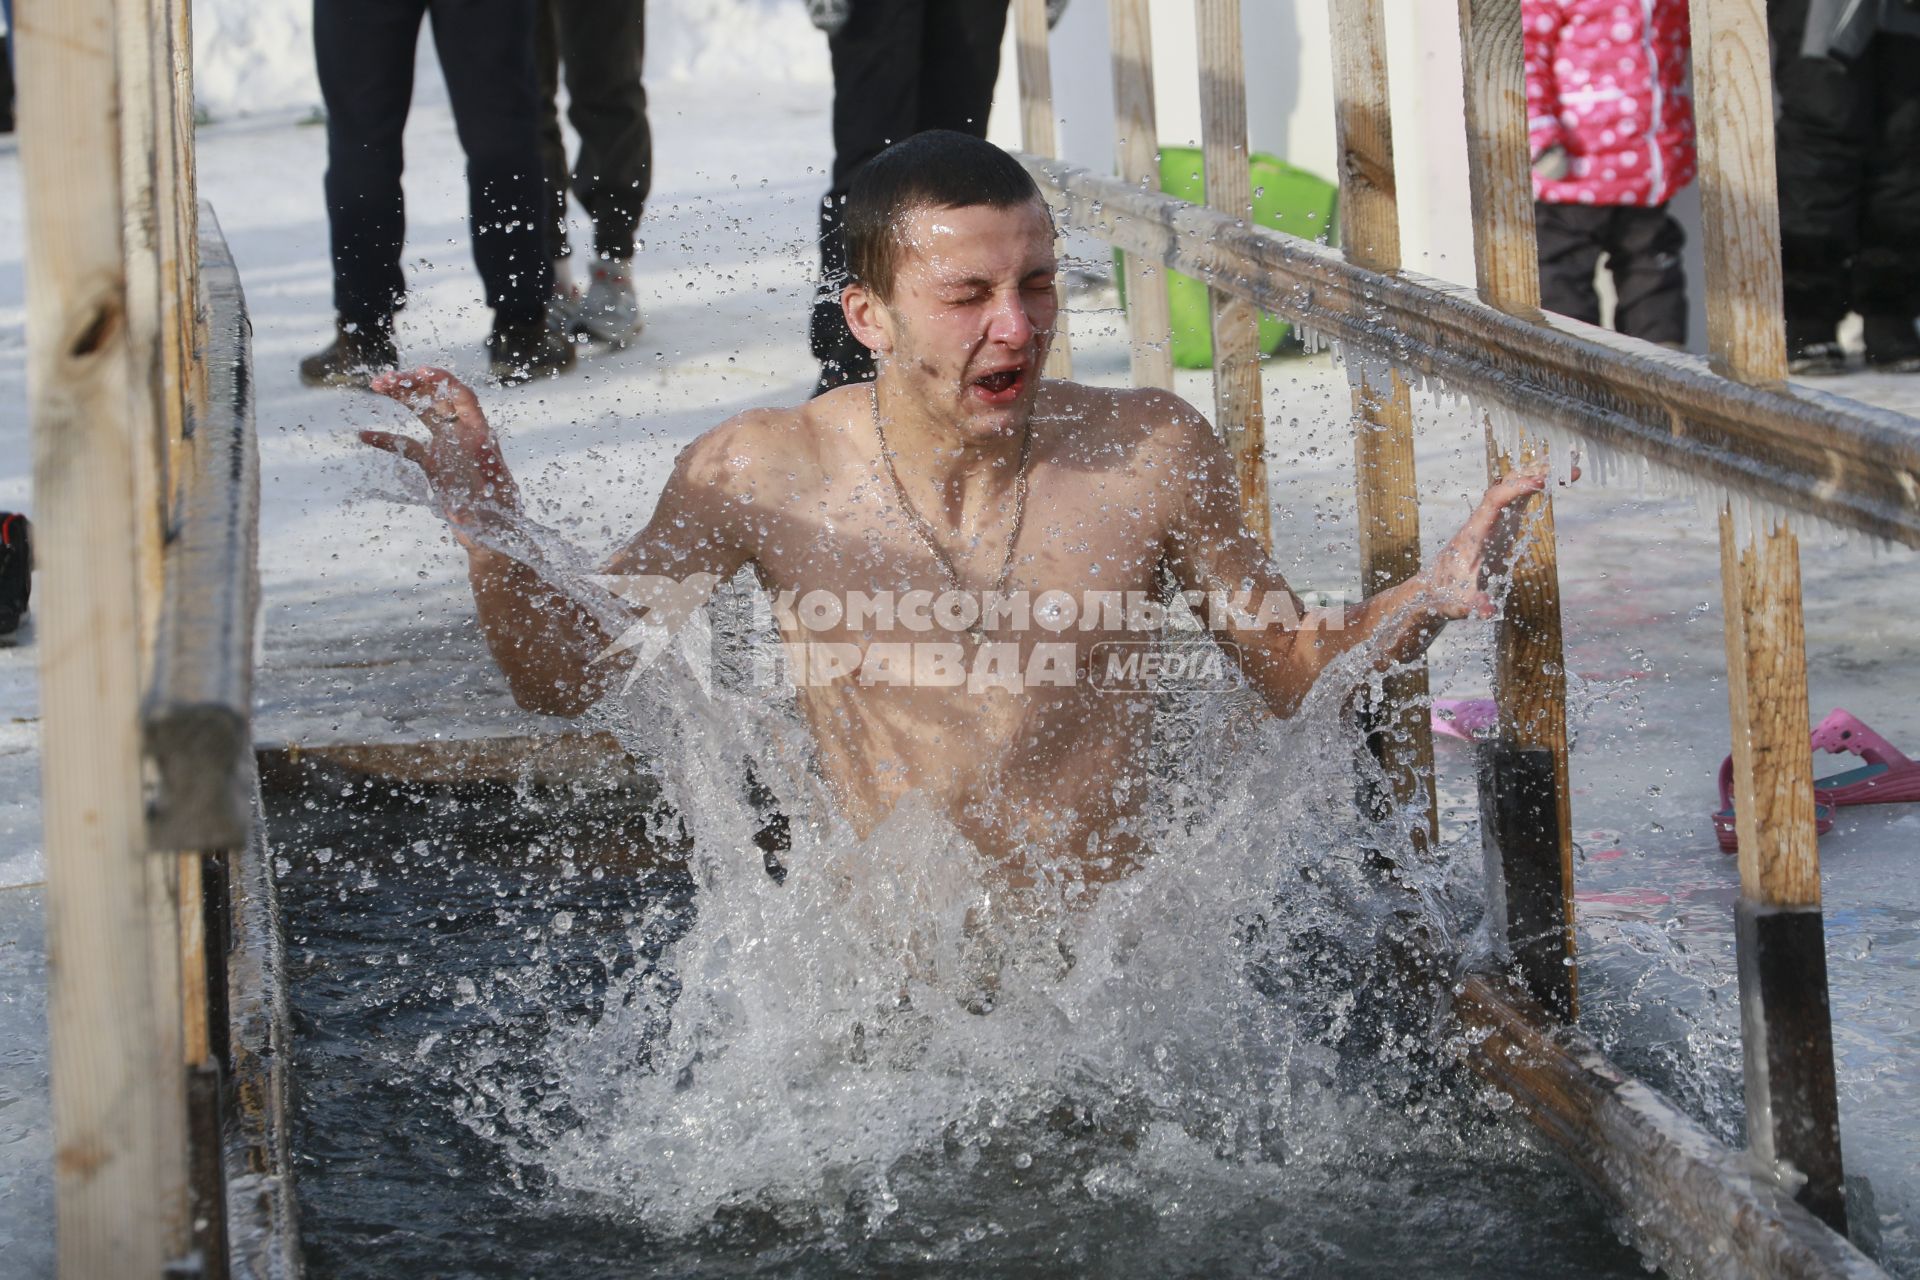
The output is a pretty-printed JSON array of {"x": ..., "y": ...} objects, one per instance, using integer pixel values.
[
  {"x": 1283, "y": 650},
  {"x": 548, "y": 643}
]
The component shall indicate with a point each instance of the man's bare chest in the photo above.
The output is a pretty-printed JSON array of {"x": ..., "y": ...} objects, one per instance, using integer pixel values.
[{"x": 1084, "y": 544}]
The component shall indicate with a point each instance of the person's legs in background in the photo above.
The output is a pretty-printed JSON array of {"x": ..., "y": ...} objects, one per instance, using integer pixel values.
[
  {"x": 959, "y": 62},
  {"x": 364, "y": 50},
  {"x": 487, "y": 55},
  {"x": 1821, "y": 143},
  {"x": 1886, "y": 272},
  {"x": 876, "y": 94},
  {"x": 553, "y": 162},
  {"x": 1569, "y": 241},
  {"x": 6, "y": 67},
  {"x": 1649, "y": 275},
  {"x": 601, "y": 45}
]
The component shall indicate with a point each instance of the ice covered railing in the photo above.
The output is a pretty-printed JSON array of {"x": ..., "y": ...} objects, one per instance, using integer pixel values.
[{"x": 1764, "y": 456}]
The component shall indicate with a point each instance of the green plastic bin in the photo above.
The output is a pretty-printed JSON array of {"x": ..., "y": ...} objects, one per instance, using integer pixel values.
[{"x": 1285, "y": 198}]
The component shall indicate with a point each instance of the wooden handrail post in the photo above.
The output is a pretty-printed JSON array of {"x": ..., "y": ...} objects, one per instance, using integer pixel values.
[
  {"x": 1526, "y": 819},
  {"x": 1739, "y": 210},
  {"x": 1137, "y": 142},
  {"x": 1793, "y": 1112},
  {"x": 118, "y": 1087},
  {"x": 1038, "y": 137},
  {"x": 1400, "y": 732},
  {"x": 1239, "y": 414},
  {"x": 1506, "y": 261}
]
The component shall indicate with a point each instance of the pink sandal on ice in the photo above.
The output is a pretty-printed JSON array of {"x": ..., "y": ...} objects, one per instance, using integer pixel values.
[
  {"x": 1884, "y": 777},
  {"x": 1468, "y": 719},
  {"x": 1723, "y": 828}
]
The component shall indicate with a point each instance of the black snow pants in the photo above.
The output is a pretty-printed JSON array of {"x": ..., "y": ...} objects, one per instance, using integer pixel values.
[
  {"x": 1642, "y": 245},
  {"x": 597, "y": 45},
  {"x": 1849, "y": 163},
  {"x": 900, "y": 67},
  {"x": 365, "y": 51}
]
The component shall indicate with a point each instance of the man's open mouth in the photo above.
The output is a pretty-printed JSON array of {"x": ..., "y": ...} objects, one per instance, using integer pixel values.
[{"x": 1001, "y": 385}]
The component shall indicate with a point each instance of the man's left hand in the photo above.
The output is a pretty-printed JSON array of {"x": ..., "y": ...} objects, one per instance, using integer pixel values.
[{"x": 1456, "y": 582}]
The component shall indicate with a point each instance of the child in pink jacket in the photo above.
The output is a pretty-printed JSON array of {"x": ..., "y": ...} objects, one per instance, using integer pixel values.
[{"x": 1611, "y": 128}]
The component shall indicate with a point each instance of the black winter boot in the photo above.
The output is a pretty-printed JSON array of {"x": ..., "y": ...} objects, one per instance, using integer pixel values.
[
  {"x": 16, "y": 569},
  {"x": 358, "y": 351},
  {"x": 522, "y": 352},
  {"x": 1893, "y": 345}
]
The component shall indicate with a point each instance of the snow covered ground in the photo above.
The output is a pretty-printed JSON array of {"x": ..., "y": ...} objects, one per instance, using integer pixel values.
[{"x": 368, "y": 633}]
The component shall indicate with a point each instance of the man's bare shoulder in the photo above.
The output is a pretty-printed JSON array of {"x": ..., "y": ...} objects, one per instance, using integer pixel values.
[
  {"x": 756, "y": 443},
  {"x": 1111, "y": 422}
]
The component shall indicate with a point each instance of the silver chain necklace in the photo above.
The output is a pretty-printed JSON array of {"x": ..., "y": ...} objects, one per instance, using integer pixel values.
[{"x": 978, "y": 631}]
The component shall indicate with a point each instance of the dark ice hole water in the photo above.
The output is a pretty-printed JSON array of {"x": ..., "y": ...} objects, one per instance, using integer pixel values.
[{"x": 423, "y": 959}]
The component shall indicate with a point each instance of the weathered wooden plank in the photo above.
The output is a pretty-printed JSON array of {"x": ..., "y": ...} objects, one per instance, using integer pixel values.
[
  {"x": 596, "y": 760},
  {"x": 198, "y": 710},
  {"x": 1767, "y": 687},
  {"x": 1506, "y": 261},
  {"x": 1039, "y": 136},
  {"x": 148, "y": 280},
  {"x": 186, "y": 195},
  {"x": 262, "y": 1217},
  {"x": 1363, "y": 136},
  {"x": 1739, "y": 211},
  {"x": 1238, "y": 412},
  {"x": 1525, "y": 790},
  {"x": 1399, "y": 732},
  {"x": 155, "y": 411},
  {"x": 1853, "y": 465},
  {"x": 1137, "y": 141},
  {"x": 1793, "y": 1114},
  {"x": 1528, "y": 824},
  {"x": 118, "y": 1092},
  {"x": 1700, "y": 1207}
]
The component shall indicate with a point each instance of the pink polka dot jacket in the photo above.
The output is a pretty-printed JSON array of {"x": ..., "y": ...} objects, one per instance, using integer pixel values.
[{"x": 1607, "y": 81}]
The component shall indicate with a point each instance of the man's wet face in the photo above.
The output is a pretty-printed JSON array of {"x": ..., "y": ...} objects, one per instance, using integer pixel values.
[{"x": 974, "y": 308}]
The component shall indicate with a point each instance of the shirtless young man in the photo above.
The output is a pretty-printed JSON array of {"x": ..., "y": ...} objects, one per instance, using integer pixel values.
[{"x": 959, "y": 473}]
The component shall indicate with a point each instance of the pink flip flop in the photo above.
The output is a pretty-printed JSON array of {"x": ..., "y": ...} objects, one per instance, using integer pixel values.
[
  {"x": 1884, "y": 777},
  {"x": 1723, "y": 828},
  {"x": 1468, "y": 719}
]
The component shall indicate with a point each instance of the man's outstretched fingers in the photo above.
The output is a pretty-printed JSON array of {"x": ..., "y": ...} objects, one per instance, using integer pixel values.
[
  {"x": 406, "y": 446},
  {"x": 435, "y": 395}
]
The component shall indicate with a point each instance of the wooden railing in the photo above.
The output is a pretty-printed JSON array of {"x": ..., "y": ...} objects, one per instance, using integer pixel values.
[
  {"x": 145, "y": 502},
  {"x": 1730, "y": 424}
]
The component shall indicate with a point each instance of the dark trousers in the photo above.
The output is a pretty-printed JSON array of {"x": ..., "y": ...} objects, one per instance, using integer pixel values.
[
  {"x": 365, "y": 52},
  {"x": 900, "y": 67},
  {"x": 597, "y": 45},
  {"x": 1848, "y": 154},
  {"x": 1642, "y": 245}
]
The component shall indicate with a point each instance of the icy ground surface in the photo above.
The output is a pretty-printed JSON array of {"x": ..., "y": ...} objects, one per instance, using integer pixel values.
[{"x": 369, "y": 633}]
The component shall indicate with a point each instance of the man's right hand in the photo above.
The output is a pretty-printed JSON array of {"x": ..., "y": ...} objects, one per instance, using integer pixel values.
[{"x": 461, "y": 456}]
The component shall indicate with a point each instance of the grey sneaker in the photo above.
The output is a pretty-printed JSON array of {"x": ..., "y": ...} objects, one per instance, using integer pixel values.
[
  {"x": 563, "y": 307},
  {"x": 610, "y": 311}
]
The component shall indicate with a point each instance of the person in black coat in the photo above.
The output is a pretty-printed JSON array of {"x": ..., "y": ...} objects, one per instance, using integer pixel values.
[
  {"x": 1848, "y": 139},
  {"x": 900, "y": 67},
  {"x": 365, "y": 53}
]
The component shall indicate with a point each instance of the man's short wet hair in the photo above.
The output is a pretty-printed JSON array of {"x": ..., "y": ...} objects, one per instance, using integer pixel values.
[{"x": 938, "y": 169}]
